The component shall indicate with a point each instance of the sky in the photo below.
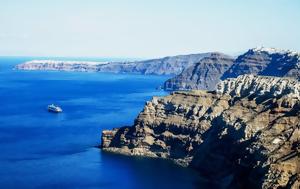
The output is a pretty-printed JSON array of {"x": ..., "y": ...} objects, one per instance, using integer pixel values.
[{"x": 145, "y": 28}]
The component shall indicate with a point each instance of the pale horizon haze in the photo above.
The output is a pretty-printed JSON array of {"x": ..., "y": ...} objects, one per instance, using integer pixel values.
[{"x": 137, "y": 28}]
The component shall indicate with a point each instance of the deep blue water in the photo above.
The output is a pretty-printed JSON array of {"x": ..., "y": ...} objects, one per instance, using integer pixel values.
[{"x": 46, "y": 150}]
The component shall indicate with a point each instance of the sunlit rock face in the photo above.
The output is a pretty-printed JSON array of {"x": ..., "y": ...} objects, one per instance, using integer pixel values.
[{"x": 246, "y": 134}]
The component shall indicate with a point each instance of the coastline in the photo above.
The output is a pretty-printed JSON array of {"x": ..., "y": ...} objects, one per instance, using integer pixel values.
[{"x": 202, "y": 129}]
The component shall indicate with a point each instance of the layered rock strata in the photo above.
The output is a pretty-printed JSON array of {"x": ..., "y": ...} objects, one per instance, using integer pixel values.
[
  {"x": 246, "y": 134},
  {"x": 266, "y": 61},
  {"x": 203, "y": 75},
  {"x": 258, "y": 61}
]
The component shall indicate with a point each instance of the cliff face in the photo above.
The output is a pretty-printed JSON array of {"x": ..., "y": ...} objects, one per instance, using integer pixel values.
[
  {"x": 203, "y": 75},
  {"x": 163, "y": 66},
  {"x": 246, "y": 134},
  {"x": 257, "y": 61},
  {"x": 266, "y": 61}
]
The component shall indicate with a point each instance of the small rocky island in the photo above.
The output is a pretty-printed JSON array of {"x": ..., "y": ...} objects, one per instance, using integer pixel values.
[
  {"x": 244, "y": 134},
  {"x": 60, "y": 65}
]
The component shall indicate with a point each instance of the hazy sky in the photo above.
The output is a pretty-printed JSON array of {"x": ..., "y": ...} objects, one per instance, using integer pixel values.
[{"x": 140, "y": 28}]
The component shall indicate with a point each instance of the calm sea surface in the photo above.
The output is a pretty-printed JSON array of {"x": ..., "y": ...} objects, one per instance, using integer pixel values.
[{"x": 45, "y": 150}]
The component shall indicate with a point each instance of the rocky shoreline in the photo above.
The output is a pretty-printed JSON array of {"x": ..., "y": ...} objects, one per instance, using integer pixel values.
[
  {"x": 242, "y": 131},
  {"x": 245, "y": 134}
]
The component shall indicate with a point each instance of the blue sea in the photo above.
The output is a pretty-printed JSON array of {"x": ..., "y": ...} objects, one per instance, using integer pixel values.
[{"x": 45, "y": 150}]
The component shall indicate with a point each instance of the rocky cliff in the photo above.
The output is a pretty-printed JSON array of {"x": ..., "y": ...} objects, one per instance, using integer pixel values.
[
  {"x": 162, "y": 66},
  {"x": 246, "y": 134},
  {"x": 203, "y": 75},
  {"x": 258, "y": 61},
  {"x": 171, "y": 65},
  {"x": 266, "y": 61}
]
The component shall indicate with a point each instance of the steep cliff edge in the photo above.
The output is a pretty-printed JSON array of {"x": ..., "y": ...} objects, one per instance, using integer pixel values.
[
  {"x": 266, "y": 61},
  {"x": 170, "y": 65},
  {"x": 246, "y": 134},
  {"x": 203, "y": 75},
  {"x": 258, "y": 61}
]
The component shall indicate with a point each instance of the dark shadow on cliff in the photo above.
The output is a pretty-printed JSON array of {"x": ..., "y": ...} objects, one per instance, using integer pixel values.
[{"x": 225, "y": 162}]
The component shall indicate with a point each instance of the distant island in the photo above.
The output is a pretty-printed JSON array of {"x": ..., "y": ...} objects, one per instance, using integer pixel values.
[
  {"x": 87, "y": 66},
  {"x": 172, "y": 65}
]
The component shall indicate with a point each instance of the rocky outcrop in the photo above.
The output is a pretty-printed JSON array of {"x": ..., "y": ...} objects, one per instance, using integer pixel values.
[
  {"x": 260, "y": 86},
  {"x": 246, "y": 134},
  {"x": 259, "y": 61},
  {"x": 266, "y": 61},
  {"x": 203, "y": 75},
  {"x": 163, "y": 66}
]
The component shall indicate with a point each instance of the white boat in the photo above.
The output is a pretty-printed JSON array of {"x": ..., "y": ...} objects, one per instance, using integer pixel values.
[{"x": 54, "y": 108}]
